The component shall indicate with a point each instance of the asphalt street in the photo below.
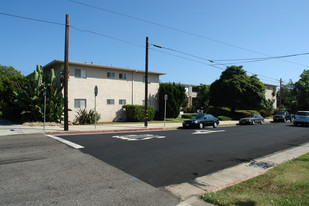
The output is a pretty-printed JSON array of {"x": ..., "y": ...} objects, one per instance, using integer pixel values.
[
  {"x": 37, "y": 170},
  {"x": 171, "y": 157}
]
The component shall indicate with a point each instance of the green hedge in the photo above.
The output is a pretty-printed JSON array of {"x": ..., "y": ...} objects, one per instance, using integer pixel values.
[
  {"x": 136, "y": 113},
  {"x": 188, "y": 115},
  {"x": 224, "y": 118}
]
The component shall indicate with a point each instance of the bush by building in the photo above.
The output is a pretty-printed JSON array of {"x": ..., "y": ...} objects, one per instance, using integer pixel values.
[{"x": 136, "y": 113}]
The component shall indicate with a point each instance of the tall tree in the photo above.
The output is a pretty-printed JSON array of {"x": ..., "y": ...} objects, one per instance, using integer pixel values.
[
  {"x": 11, "y": 81},
  {"x": 301, "y": 91},
  {"x": 288, "y": 97},
  {"x": 176, "y": 98},
  {"x": 202, "y": 96},
  {"x": 235, "y": 89}
]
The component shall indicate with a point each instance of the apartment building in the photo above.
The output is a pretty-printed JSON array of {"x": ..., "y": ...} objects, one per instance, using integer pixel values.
[
  {"x": 191, "y": 92},
  {"x": 269, "y": 91},
  {"x": 116, "y": 87}
]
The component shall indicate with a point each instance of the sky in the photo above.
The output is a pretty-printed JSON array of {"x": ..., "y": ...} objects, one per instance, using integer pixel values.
[{"x": 198, "y": 38}]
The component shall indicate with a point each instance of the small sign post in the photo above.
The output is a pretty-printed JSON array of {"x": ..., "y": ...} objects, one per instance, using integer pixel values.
[
  {"x": 95, "y": 106},
  {"x": 165, "y": 99},
  {"x": 44, "y": 94}
]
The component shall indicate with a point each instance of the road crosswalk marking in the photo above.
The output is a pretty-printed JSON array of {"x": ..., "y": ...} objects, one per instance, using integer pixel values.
[
  {"x": 138, "y": 137},
  {"x": 207, "y": 131}
]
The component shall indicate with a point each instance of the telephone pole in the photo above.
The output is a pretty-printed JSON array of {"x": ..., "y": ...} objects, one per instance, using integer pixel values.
[
  {"x": 280, "y": 96},
  {"x": 66, "y": 71},
  {"x": 146, "y": 85}
]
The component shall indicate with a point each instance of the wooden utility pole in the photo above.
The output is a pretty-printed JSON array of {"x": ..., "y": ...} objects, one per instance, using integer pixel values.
[
  {"x": 280, "y": 96},
  {"x": 146, "y": 85},
  {"x": 66, "y": 72}
]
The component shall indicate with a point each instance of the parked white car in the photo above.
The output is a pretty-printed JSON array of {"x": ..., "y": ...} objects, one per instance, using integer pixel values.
[{"x": 301, "y": 118}]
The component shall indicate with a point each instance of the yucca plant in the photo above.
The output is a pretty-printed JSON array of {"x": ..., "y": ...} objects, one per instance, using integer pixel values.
[{"x": 85, "y": 117}]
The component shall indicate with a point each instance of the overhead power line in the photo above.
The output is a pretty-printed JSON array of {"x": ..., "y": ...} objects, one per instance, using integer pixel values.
[
  {"x": 32, "y": 19},
  {"x": 175, "y": 29},
  {"x": 209, "y": 60},
  {"x": 73, "y": 27},
  {"x": 263, "y": 58},
  {"x": 211, "y": 64}
]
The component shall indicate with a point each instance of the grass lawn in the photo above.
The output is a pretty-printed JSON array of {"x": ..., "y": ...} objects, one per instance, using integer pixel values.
[{"x": 286, "y": 184}]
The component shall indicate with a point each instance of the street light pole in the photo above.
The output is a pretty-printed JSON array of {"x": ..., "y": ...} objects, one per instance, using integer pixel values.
[
  {"x": 95, "y": 105},
  {"x": 44, "y": 93}
]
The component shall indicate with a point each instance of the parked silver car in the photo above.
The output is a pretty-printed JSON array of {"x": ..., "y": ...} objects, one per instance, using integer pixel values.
[
  {"x": 301, "y": 118},
  {"x": 252, "y": 119}
]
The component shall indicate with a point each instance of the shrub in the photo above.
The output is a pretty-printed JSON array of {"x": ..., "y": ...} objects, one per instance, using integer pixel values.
[
  {"x": 189, "y": 109},
  {"x": 275, "y": 111},
  {"x": 218, "y": 111},
  {"x": 136, "y": 113},
  {"x": 84, "y": 117},
  {"x": 224, "y": 118},
  {"x": 266, "y": 112},
  {"x": 188, "y": 115}
]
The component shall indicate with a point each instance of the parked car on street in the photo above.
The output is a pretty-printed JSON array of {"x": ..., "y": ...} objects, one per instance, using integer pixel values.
[
  {"x": 301, "y": 118},
  {"x": 283, "y": 116},
  {"x": 252, "y": 119},
  {"x": 201, "y": 120}
]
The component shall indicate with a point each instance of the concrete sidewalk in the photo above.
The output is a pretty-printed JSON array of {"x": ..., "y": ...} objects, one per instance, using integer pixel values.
[{"x": 12, "y": 129}]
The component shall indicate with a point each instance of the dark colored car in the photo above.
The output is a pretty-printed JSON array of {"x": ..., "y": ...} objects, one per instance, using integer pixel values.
[
  {"x": 301, "y": 118},
  {"x": 201, "y": 120},
  {"x": 252, "y": 119},
  {"x": 283, "y": 116}
]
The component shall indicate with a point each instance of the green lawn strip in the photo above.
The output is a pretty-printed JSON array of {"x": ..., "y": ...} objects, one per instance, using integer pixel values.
[{"x": 285, "y": 184}]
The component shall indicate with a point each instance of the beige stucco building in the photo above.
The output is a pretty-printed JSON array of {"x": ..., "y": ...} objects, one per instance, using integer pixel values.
[
  {"x": 191, "y": 92},
  {"x": 269, "y": 89},
  {"x": 116, "y": 87}
]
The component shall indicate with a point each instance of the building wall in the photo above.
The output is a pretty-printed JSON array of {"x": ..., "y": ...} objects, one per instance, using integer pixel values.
[
  {"x": 268, "y": 94},
  {"x": 131, "y": 89}
]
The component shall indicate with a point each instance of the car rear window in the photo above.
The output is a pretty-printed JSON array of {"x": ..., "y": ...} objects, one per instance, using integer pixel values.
[{"x": 303, "y": 113}]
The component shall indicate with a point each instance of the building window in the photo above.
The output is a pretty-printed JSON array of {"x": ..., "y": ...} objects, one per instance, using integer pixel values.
[
  {"x": 110, "y": 101},
  {"x": 149, "y": 102},
  {"x": 122, "y": 101},
  {"x": 122, "y": 76},
  {"x": 80, "y": 103},
  {"x": 80, "y": 73},
  {"x": 145, "y": 78},
  {"x": 111, "y": 75}
]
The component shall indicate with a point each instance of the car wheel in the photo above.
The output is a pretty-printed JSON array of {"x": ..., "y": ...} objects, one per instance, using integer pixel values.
[
  {"x": 215, "y": 125},
  {"x": 201, "y": 126},
  {"x": 295, "y": 124}
]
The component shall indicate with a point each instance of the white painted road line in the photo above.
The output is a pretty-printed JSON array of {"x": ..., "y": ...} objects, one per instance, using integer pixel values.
[
  {"x": 207, "y": 131},
  {"x": 71, "y": 144}
]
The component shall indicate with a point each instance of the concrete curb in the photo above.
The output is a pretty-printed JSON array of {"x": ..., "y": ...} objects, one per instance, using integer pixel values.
[
  {"x": 105, "y": 131},
  {"x": 233, "y": 175}
]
